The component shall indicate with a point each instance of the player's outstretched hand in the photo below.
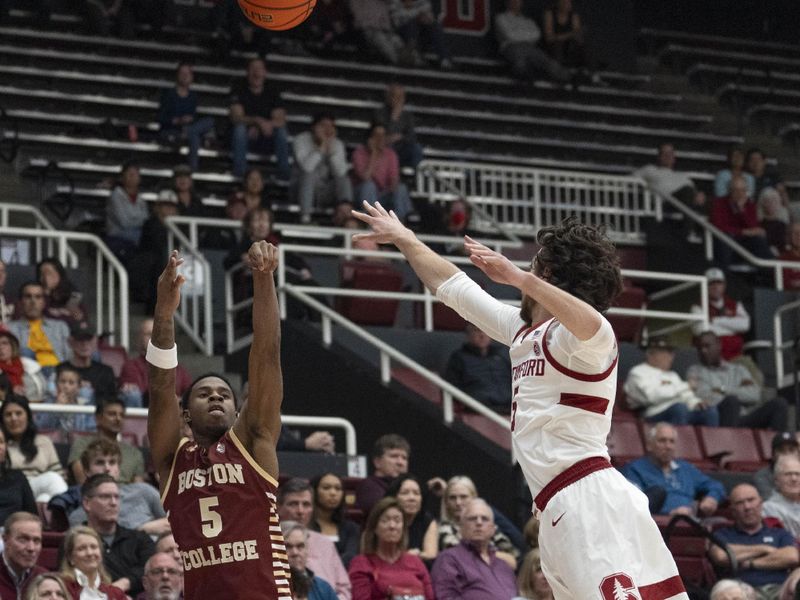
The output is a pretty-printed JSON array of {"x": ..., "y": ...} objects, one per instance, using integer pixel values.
[
  {"x": 386, "y": 227},
  {"x": 494, "y": 264},
  {"x": 263, "y": 257},
  {"x": 168, "y": 290}
]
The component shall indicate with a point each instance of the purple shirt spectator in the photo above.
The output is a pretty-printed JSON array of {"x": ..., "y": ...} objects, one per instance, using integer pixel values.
[{"x": 460, "y": 573}]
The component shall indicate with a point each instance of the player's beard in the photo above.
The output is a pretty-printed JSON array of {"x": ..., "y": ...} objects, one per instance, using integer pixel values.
[{"x": 526, "y": 309}]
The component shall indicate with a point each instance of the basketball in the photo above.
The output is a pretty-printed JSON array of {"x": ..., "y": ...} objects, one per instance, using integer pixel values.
[{"x": 277, "y": 15}]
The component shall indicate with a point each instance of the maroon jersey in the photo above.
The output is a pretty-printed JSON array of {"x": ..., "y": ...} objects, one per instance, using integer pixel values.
[{"x": 221, "y": 506}]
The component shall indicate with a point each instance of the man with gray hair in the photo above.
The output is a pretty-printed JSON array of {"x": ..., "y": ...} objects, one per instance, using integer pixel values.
[
  {"x": 732, "y": 589},
  {"x": 784, "y": 503},
  {"x": 163, "y": 578},
  {"x": 305, "y": 583}
]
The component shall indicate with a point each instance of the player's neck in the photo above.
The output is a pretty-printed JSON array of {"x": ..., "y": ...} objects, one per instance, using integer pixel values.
[{"x": 539, "y": 314}]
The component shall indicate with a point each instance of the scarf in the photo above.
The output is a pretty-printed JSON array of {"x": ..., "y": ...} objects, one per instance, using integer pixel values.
[{"x": 13, "y": 370}]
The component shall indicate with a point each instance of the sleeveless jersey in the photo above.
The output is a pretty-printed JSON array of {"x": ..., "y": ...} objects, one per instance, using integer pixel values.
[{"x": 221, "y": 506}]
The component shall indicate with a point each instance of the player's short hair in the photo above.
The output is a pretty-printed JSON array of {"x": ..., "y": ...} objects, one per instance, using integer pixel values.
[
  {"x": 106, "y": 401},
  {"x": 90, "y": 486},
  {"x": 582, "y": 261},
  {"x": 390, "y": 441},
  {"x": 29, "y": 283},
  {"x": 66, "y": 367},
  {"x": 19, "y": 517},
  {"x": 99, "y": 447},
  {"x": 296, "y": 485},
  {"x": 188, "y": 393}
]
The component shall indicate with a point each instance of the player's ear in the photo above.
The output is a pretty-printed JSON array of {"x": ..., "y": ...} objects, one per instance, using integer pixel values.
[{"x": 186, "y": 416}]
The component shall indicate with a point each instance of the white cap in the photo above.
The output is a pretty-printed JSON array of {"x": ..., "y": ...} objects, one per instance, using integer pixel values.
[
  {"x": 715, "y": 274},
  {"x": 167, "y": 195}
]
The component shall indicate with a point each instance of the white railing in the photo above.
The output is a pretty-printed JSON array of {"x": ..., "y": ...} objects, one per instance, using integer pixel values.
[
  {"x": 12, "y": 213},
  {"x": 524, "y": 199},
  {"x": 783, "y": 376},
  {"x": 351, "y": 447},
  {"x": 111, "y": 278}
]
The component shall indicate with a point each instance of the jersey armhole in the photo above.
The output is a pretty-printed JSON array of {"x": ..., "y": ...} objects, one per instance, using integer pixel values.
[
  {"x": 181, "y": 444},
  {"x": 252, "y": 461}
]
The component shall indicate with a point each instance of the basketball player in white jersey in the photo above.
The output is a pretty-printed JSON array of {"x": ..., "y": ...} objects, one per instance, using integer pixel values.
[{"x": 596, "y": 534}]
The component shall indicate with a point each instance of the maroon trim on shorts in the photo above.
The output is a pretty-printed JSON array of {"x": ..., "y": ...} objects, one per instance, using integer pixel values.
[
  {"x": 569, "y": 372},
  {"x": 594, "y": 404},
  {"x": 661, "y": 590},
  {"x": 574, "y": 473}
]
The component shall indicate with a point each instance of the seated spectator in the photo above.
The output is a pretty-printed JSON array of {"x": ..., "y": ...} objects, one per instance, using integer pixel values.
[
  {"x": 672, "y": 485},
  {"x": 384, "y": 569},
  {"x": 531, "y": 581},
  {"x": 731, "y": 589},
  {"x": 249, "y": 197},
  {"x": 727, "y": 317},
  {"x": 135, "y": 374},
  {"x": 472, "y": 570},
  {"x": 775, "y": 228},
  {"x": 784, "y": 442},
  {"x": 68, "y": 392},
  {"x": 124, "y": 551},
  {"x": 659, "y": 393},
  {"x": 320, "y": 176},
  {"x": 766, "y": 176},
  {"x": 735, "y": 215},
  {"x": 329, "y": 517},
  {"x": 376, "y": 174},
  {"x": 82, "y": 567},
  {"x": 62, "y": 298},
  {"x": 15, "y": 491},
  {"x": 791, "y": 277},
  {"x": 34, "y": 454},
  {"x": 330, "y": 23},
  {"x": 735, "y": 168},
  {"x": 730, "y": 387},
  {"x": 305, "y": 584},
  {"x": 109, "y": 417},
  {"x": 482, "y": 370},
  {"x": 163, "y": 578},
  {"x": 764, "y": 555},
  {"x": 177, "y": 114},
  {"x": 399, "y": 124},
  {"x": 294, "y": 503},
  {"x": 564, "y": 35},
  {"x": 663, "y": 179},
  {"x": 24, "y": 374},
  {"x": 372, "y": 21},
  {"x": 414, "y": 19},
  {"x": 259, "y": 119},
  {"x": 784, "y": 503},
  {"x": 97, "y": 379},
  {"x": 422, "y": 529},
  {"x": 518, "y": 38},
  {"x": 22, "y": 544},
  {"x": 126, "y": 213},
  {"x": 166, "y": 543},
  {"x": 189, "y": 203},
  {"x": 390, "y": 455},
  {"x": 40, "y": 337},
  {"x": 7, "y": 302},
  {"x": 47, "y": 586},
  {"x": 101, "y": 456}
]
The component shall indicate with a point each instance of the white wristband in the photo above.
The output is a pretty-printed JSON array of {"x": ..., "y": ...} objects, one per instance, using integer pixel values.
[{"x": 163, "y": 359}]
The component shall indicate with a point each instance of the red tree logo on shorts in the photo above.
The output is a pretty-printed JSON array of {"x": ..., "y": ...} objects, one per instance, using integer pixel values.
[{"x": 618, "y": 586}]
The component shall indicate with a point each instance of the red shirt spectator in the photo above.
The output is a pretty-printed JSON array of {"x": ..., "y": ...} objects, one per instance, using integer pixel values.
[
  {"x": 376, "y": 161},
  {"x": 732, "y": 217}
]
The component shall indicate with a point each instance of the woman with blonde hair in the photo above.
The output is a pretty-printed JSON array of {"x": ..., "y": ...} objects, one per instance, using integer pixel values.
[
  {"x": 82, "y": 567},
  {"x": 531, "y": 581},
  {"x": 47, "y": 586}
]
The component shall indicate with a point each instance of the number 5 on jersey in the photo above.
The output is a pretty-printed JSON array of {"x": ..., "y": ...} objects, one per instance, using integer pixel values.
[{"x": 212, "y": 521}]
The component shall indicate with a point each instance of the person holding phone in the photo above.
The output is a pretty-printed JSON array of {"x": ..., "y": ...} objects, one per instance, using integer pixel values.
[{"x": 64, "y": 300}]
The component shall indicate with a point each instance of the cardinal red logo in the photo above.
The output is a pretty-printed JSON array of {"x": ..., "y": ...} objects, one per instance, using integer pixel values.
[
  {"x": 618, "y": 586},
  {"x": 536, "y": 350}
]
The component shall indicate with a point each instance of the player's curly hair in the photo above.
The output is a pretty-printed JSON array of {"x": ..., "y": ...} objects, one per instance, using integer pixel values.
[{"x": 581, "y": 260}]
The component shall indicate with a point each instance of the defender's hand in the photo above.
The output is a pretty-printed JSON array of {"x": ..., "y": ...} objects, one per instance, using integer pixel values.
[
  {"x": 386, "y": 227},
  {"x": 168, "y": 291},
  {"x": 263, "y": 257}
]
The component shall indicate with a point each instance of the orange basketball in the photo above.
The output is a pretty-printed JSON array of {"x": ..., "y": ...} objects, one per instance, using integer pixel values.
[{"x": 277, "y": 14}]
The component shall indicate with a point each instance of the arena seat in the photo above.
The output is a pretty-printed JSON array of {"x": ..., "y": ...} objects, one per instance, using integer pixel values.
[
  {"x": 735, "y": 448},
  {"x": 51, "y": 542},
  {"x": 362, "y": 275},
  {"x": 629, "y": 328},
  {"x": 113, "y": 356},
  {"x": 624, "y": 442},
  {"x": 764, "y": 441},
  {"x": 687, "y": 447}
]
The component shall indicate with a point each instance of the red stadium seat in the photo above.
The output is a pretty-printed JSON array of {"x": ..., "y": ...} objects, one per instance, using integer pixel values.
[
  {"x": 687, "y": 447},
  {"x": 627, "y": 328},
  {"x": 369, "y": 276},
  {"x": 51, "y": 542},
  {"x": 134, "y": 430},
  {"x": 764, "y": 440},
  {"x": 114, "y": 357},
  {"x": 417, "y": 383},
  {"x": 444, "y": 317},
  {"x": 735, "y": 448},
  {"x": 625, "y": 442}
]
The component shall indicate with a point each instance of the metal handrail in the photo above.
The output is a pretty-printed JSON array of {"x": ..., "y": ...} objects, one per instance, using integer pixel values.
[
  {"x": 782, "y": 378},
  {"x": 6, "y": 210}
]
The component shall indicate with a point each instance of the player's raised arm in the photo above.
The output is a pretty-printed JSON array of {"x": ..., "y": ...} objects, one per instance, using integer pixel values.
[
  {"x": 431, "y": 268},
  {"x": 259, "y": 424},
  {"x": 163, "y": 417}
]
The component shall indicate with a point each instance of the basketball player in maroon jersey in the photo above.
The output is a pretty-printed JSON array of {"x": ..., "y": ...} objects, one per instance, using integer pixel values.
[{"x": 219, "y": 488}]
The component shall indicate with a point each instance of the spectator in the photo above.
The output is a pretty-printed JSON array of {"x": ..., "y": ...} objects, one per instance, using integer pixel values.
[
  {"x": 124, "y": 551},
  {"x": 390, "y": 455},
  {"x": 663, "y": 179},
  {"x": 670, "y": 484},
  {"x": 766, "y": 176},
  {"x": 384, "y": 569},
  {"x": 764, "y": 554},
  {"x": 472, "y": 570},
  {"x": 177, "y": 114},
  {"x": 295, "y": 504},
  {"x": 22, "y": 544},
  {"x": 62, "y": 298},
  {"x": 15, "y": 491},
  {"x": 82, "y": 567},
  {"x": 372, "y": 20},
  {"x": 166, "y": 543},
  {"x": 735, "y": 168},
  {"x": 329, "y": 517},
  {"x": 422, "y": 529},
  {"x": 564, "y": 35},
  {"x": 791, "y": 277},
  {"x": 306, "y": 585},
  {"x": 731, "y": 589},
  {"x": 29, "y": 451},
  {"x": 97, "y": 379},
  {"x": 68, "y": 392},
  {"x": 414, "y": 19},
  {"x": 376, "y": 172},
  {"x": 189, "y": 203},
  {"x": 6, "y": 301},
  {"x": 727, "y": 317},
  {"x": 47, "y": 586},
  {"x": 249, "y": 197},
  {"x": 320, "y": 172},
  {"x": 126, "y": 213},
  {"x": 259, "y": 119},
  {"x": 736, "y": 216},
  {"x": 482, "y": 370},
  {"x": 731, "y": 388},
  {"x": 531, "y": 581},
  {"x": 24, "y": 374},
  {"x": 134, "y": 377},
  {"x": 771, "y": 220},
  {"x": 330, "y": 23},
  {"x": 659, "y": 393},
  {"x": 784, "y": 503},
  {"x": 109, "y": 418},
  {"x": 163, "y": 578},
  {"x": 784, "y": 442},
  {"x": 39, "y": 337},
  {"x": 517, "y": 38},
  {"x": 399, "y": 124}
]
